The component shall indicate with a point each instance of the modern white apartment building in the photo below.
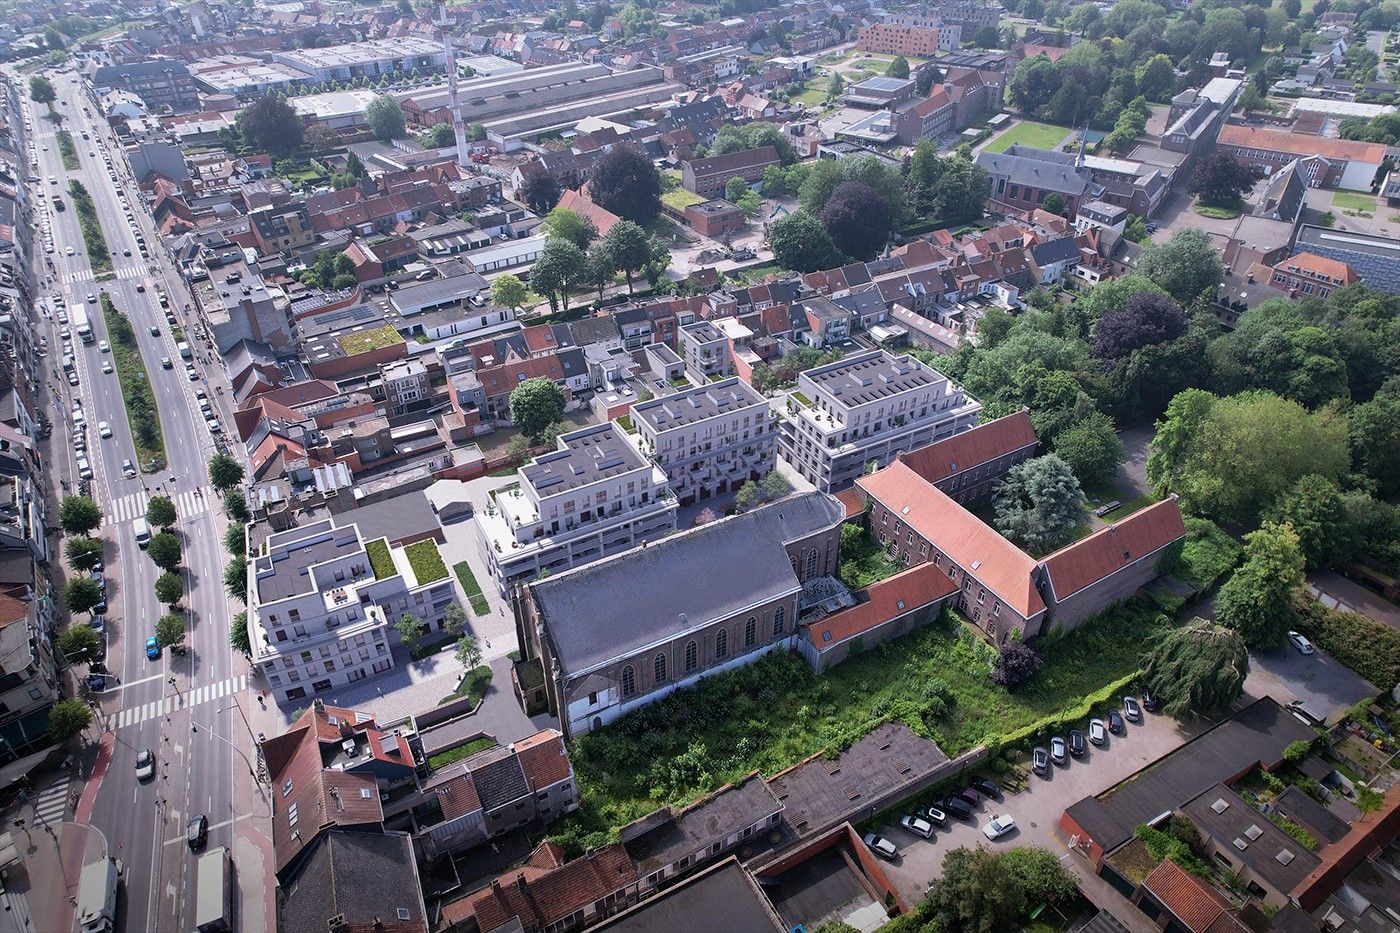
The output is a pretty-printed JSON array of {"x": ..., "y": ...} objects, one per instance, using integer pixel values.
[
  {"x": 705, "y": 349},
  {"x": 594, "y": 496},
  {"x": 868, "y": 407},
  {"x": 321, "y": 602},
  {"x": 710, "y": 439}
]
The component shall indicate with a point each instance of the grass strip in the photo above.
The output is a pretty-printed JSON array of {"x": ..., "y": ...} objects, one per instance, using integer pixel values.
[
  {"x": 99, "y": 257},
  {"x": 473, "y": 589},
  {"x": 443, "y": 759},
  {"x": 473, "y": 687},
  {"x": 68, "y": 151},
  {"x": 141, "y": 413}
]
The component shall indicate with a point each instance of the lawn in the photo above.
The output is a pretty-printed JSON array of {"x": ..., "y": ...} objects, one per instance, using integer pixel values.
[
  {"x": 473, "y": 686},
  {"x": 365, "y": 341},
  {"x": 1354, "y": 201},
  {"x": 775, "y": 712},
  {"x": 812, "y": 97},
  {"x": 466, "y": 750},
  {"x": 863, "y": 561},
  {"x": 680, "y": 199},
  {"x": 1029, "y": 133},
  {"x": 426, "y": 562},
  {"x": 140, "y": 402},
  {"x": 379, "y": 560},
  {"x": 1218, "y": 213},
  {"x": 473, "y": 589}
]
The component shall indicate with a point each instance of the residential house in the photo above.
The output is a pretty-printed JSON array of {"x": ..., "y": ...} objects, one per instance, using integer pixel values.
[
  {"x": 1311, "y": 275},
  {"x": 707, "y": 177}
]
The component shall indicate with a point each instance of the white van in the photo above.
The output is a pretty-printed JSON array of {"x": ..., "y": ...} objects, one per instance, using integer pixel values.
[{"x": 141, "y": 531}]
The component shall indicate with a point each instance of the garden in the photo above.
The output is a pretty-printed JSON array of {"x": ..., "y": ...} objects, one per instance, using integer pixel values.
[
  {"x": 775, "y": 712},
  {"x": 1029, "y": 133}
]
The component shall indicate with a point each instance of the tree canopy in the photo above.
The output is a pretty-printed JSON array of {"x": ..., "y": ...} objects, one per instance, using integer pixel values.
[
  {"x": 1258, "y": 599},
  {"x": 224, "y": 472},
  {"x": 857, "y": 218},
  {"x": 78, "y": 515},
  {"x": 802, "y": 244},
  {"x": 160, "y": 512},
  {"x": 386, "y": 118},
  {"x": 1185, "y": 266},
  {"x": 269, "y": 124},
  {"x": 626, "y": 182},
  {"x": 536, "y": 404},
  {"x": 1220, "y": 179},
  {"x": 1197, "y": 671},
  {"x": 1039, "y": 504}
]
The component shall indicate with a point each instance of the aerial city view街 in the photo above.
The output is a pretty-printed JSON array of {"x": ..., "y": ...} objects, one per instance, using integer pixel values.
[{"x": 699, "y": 466}]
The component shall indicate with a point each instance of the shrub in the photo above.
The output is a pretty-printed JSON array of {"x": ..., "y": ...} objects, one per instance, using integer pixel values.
[
  {"x": 1017, "y": 663},
  {"x": 1207, "y": 554},
  {"x": 1369, "y": 648}
]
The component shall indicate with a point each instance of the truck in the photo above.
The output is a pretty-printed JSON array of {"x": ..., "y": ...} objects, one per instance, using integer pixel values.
[
  {"x": 185, "y": 351},
  {"x": 97, "y": 897},
  {"x": 213, "y": 901},
  {"x": 81, "y": 324}
]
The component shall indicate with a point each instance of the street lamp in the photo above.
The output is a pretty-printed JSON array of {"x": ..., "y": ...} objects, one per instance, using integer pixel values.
[{"x": 194, "y": 728}]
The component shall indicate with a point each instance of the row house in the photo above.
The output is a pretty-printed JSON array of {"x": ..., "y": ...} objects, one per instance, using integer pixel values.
[{"x": 707, "y": 177}]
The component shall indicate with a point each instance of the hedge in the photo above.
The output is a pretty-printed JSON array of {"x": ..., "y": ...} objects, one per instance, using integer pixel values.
[
  {"x": 1367, "y": 647},
  {"x": 1072, "y": 714}
]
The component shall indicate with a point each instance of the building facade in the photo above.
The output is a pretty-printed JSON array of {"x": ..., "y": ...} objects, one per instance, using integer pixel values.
[
  {"x": 868, "y": 407},
  {"x": 711, "y": 439},
  {"x": 705, "y": 349}
]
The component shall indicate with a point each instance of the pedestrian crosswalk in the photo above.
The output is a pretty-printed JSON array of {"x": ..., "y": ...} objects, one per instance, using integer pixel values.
[
  {"x": 126, "y": 273},
  {"x": 188, "y": 504},
  {"x": 196, "y": 696},
  {"x": 51, "y": 804}
]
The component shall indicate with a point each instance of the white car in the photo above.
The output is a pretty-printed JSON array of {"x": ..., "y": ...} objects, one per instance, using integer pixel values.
[
  {"x": 881, "y": 846},
  {"x": 68, "y": 251},
  {"x": 1300, "y": 641},
  {"x": 104, "y": 429},
  {"x": 998, "y": 826},
  {"x": 107, "y": 366},
  {"x": 104, "y": 346},
  {"x": 916, "y": 825}
]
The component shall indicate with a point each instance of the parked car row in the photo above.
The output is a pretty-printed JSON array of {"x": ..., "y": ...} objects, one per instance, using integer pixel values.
[
  {"x": 960, "y": 805},
  {"x": 1061, "y": 750}
]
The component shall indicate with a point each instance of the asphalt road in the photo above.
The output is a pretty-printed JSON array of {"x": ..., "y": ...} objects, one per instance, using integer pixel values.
[{"x": 180, "y": 706}]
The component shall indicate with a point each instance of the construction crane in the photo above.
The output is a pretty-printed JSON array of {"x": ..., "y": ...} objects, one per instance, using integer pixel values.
[{"x": 459, "y": 129}]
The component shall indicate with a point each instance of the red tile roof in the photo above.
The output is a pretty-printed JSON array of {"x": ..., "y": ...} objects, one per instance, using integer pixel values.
[
  {"x": 543, "y": 759},
  {"x": 889, "y": 599},
  {"x": 1248, "y": 137},
  {"x": 1196, "y": 904},
  {"x": 502, "y": 380},
  {"x": 543, "y": 897},
  {"x": 581, "y": 204},
  {"x": 852, "y": 500},
  {"x": 998, "y": 564},
  {"x": 983, "y": 444},
  {"x": 1315, "y": 266},
  {"x": 1108, "y": 550}
]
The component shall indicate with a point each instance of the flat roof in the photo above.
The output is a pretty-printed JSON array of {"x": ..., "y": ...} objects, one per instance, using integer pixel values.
[
  {"x": 888, "y": 85},
  {"x": 859, "y": 380},
  {"x": 359, "y": 53},
  {"x": 708, "y": 820},
  {"x": 698, "y": 404},
  {"x": 1383, "y": 247},
  {"x": 703, "y": 332},
  {"x": 1249, "y": 837},
  {"x": 291, "y": 561},
  {"x": 587, "y": 456}
]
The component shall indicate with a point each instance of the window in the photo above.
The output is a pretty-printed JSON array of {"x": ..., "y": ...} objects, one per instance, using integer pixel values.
[
  {"x": 779, "y": 620},
  {"x": 629, "y": 681},
  {"x": 750, "y": 632},
  {"x": 721, "y": 644},
  {"x": 692, "y": 657},
  {"x": 811, "y": 563},
  {"x": 660, "y": 668}
]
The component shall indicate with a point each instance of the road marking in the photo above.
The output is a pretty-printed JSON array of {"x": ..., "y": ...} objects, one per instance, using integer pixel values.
[
  {"x": 52, "y": 802},
  {"x": 213, "y": 827},
  {"x": 188, "y": 504},
  {"x": 131, "y": 683},
  {"x": 136, "y": 715}
]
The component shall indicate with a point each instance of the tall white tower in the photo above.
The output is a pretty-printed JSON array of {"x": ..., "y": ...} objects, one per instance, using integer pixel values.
[{"x": 459, "y": 129}]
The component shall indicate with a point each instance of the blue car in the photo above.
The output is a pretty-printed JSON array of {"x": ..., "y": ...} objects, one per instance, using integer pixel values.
[{"x": 152, "y": 648}]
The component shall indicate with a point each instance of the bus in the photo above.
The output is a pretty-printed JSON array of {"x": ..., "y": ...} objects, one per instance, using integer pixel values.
[
  {"x": 81, "y": 325},
  {"x": 213, "y": 898}
]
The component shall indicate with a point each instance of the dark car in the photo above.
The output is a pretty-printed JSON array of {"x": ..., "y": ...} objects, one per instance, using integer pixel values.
[
  {"x": 197, "y": 832},
  {"x": 969, "y": 796},
  {"x": 1149, "y": 702},
  {"x": 1115, "y": 722},
  {"x": 955, "y": 808},
  {"x": 1131, "y": 710},
  {"x": 1040, "y": 761},
  {"x": 935, "y": 816},
  {"x": 1057, "y": 750},
  {"x": 1077, "y": 745},
  {"x": 987, "y": 788}
]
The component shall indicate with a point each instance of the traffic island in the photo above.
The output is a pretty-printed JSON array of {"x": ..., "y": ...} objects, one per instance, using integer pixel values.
[{"x": 142, "y": 415}]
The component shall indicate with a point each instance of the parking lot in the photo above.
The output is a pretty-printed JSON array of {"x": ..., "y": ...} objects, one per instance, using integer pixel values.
[{"x": 1037, "y": 810}]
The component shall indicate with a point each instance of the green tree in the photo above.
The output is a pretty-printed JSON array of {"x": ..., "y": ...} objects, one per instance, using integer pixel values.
[
  {"x": 238, "y": 633},
  {"x": 68, "y": 718},
  {"x": 570, "y": 225},
  {"x": 1054, "y": 203},
  {"x": 735, "y": 188},
  {"x": 1317, "y": 512},
  {"x": 160, "y": 512},
  {"x": 1042, "y": 875},
  {"x": 81, "y": 594},
  {"x": 802, "y": 244},
  {"x": 170, "y": 631},
  {"x": 975, "y": 894},
  {"x": 468, "y": 653},
  {"x": 899, "y": 68},
  {"x": 79, "y": 643},
  {"x": 236, "y": 506},
  {"x": 410, "y": 629},
  {"x": 1156, "y": 78},
  {"x": 509, "y": 292},
  {"x": 170, "y": 588},
  {"x": 836, "y": 86},
  {"x": 627, "y": 183},
  {"x": 535, "y": 404},
  {"x": 385, "y": 116},
  {"x": 476, "y": 132},
  {"x": 560, "y": 268},
  {"x": 320, "y": 138},
  {"x": 1186, "y": 266},
  {"x": 630, "y": 247},
  {"x": 164, "y": 550},
  {"x": 224, "y": 472},
  {"x": 1231, "y": 458},
  {"x": 1197, "y": 671},
  {"x": 41, "y": 90},
  {"x": 1091, "y": 448},
  {"x": 83, "y": 553},
  {"x": 1258, "y": 599},
  {"x": 748, "y": 497},
  {"x": 78, "y": 515},
  {"x": 441, "y": 136},
  {"x": 599, "y": 268},
  {"x": 1039, "y": 504},
  {"x": 270, "y": 124},
  {"x": 454, "y": 619},
  {"x": 236, "y": 578},
  {"x": 1374, "y": 433},
  {"x": 354, "y": 167}
]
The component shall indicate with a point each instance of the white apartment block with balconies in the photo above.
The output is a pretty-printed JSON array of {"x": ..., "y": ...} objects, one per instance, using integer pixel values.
[
  {"x": 320, "y": 607},
  {"x": 711, "y": 439},
  {"x": 868, "y": 407},
  {"x": 596, "y": 495}
]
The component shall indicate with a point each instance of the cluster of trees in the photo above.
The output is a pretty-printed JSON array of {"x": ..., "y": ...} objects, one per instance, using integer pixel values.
[
  {"x": 330, "y": 270},
  {"x": 386, "y": 118},
  {"x": 850, "y": 206},
  {"x": 733, "y": 138},
  {"x": 1381, "y": 129},
  {"x": 574, "y": 256},
  {"x": 983, "y": 890},
  {"x": 753, "y": 494}
]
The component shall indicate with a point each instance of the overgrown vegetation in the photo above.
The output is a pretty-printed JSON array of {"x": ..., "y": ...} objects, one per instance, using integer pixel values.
[
  {"x": 863, "y": 562},
  {"x": 141, "y": 413},
  {"x": 99, "y": 257},
  {"x": 1207, "y": 554},
  {"x": 1370, "y": 648},
  {"x": 473, "y": 589},
  {"x": 68, "y": 151},
  {"x": 775, "y": 712}
]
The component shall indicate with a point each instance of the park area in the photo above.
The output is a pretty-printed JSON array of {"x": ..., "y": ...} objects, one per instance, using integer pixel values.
[{"x": 1029, "y": 133}]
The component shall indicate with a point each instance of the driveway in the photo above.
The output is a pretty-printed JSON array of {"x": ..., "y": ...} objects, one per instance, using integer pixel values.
[
  {"x": 1037, "y": 812},
  {"x": 1318, "y": 683},
  {"x": 1337, "y": 592}
]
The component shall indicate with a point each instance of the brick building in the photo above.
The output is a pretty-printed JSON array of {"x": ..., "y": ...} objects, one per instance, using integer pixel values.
[{"x": 707, "y": 177}]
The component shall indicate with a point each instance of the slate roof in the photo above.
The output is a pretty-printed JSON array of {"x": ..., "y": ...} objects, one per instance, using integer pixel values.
[
  {"x": 368, "y": 879},
  {"x": 498, "y": 777},
  {"x": 631, "y": 600},
  {"x": 1037, "y": 172}
]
